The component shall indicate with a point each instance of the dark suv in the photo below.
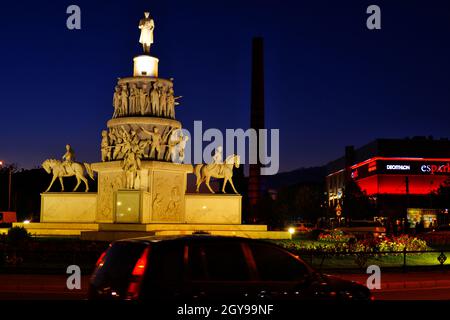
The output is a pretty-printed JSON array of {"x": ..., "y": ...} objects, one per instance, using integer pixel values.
[{"x": 206, "y": 268}]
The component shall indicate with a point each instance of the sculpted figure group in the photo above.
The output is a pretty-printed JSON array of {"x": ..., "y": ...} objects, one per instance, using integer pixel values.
[
  {"x": 144, "y": 99},
  {"x": 117, "y": 143},
  {"x": 131, "y": 164}
]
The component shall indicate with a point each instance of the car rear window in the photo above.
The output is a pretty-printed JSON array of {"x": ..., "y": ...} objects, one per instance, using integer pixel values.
[
  {"x": 275, "y": 264},
  {"x": 165, "y": 270},
  {"x": 218, "y": 261},
  {"x": 167, "y": 262}
]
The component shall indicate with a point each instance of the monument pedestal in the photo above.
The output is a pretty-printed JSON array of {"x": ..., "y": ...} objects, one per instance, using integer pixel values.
[
  {"x": 159, "y": 206},
  {"x": 68, "y": 207},
  {"x": 213, "y": 208},
  {"x": 162, "y": 186}
]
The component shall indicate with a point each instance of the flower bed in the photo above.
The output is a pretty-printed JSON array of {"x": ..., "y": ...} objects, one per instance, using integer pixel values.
[
  {"x": 327, "y": 254},
  {"x": 341, "y": 244},
  {"x": 402, "y": 242},
  {"x": 334, "y": 236}
]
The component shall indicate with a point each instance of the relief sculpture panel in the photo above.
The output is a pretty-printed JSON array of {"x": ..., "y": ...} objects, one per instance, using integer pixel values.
[
  {"x": 108, "y": 183},
  {"x": 168, "y": 196}
]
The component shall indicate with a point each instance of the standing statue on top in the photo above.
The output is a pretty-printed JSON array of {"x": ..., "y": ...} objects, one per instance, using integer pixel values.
[{"x": 147, "y": 26}]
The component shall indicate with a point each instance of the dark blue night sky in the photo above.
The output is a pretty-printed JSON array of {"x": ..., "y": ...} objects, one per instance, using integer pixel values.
[{"x": 330, "y": 82}]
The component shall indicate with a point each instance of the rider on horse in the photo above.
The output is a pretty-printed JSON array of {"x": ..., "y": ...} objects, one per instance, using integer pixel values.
[
  {"x": 217, "y": 160},
  {"x": 68, "y": 158}
]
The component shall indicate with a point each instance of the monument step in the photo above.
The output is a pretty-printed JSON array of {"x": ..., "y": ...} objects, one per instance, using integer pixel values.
[
  {"x": 234, "y": 233},
  {"x": 179, "y": 227},
  {"x": 57, "y": 225},
  {"x": 118, "y": 235},
  {"x": 111, "y": 231},
  {"x": 113, "y": 235}
]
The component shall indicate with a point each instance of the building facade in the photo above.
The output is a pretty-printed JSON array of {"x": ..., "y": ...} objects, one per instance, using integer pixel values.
[{"x": 399, "y": 176}]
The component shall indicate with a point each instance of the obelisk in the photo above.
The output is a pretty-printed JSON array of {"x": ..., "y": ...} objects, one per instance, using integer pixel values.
[{"x": 255, "y": 183}]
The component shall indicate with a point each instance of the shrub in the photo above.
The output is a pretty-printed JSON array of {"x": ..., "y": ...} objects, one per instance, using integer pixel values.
[
  {"x": 402, "y": 242},
  {"x": 17, "y": 235},
  {"x": 329, "y": 245}
]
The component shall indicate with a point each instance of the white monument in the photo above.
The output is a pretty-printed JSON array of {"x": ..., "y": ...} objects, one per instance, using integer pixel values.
[{"x": 141, "y": 181}]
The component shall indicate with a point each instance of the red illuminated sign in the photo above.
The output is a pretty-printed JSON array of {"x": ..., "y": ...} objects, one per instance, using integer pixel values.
[
  {"x": 435, "y": 168},
  {"x": 372, "y": 166},
  {"x": 403, "y": 167}
]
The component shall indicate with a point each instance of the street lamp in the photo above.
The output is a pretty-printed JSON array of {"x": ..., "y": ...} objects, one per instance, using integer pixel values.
[{"x": 9, "y": 184}]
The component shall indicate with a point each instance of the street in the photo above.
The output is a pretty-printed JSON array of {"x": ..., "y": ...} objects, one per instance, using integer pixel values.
[
  {"x": 396, "y": 286},
  {"x": 414, "y": 294},
  {"x": 39, "y": 287}
]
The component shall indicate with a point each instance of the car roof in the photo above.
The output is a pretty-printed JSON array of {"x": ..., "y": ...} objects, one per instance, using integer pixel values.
[
  {"x": 187, "y": 238},
  {"x": 201, "y": 237}
]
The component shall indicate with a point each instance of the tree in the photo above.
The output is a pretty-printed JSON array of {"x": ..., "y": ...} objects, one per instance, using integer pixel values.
[
  {"x": 356, "y": 203},
  {"x": 304, "y": 201},
  {"x": 442, "y": 195}
]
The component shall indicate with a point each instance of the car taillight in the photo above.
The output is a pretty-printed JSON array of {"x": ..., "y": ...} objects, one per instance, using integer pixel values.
[
  {"x": 140, "y": 265},
  {"x": 137, "y": 275},
  {"x": 101, "y": 260}
]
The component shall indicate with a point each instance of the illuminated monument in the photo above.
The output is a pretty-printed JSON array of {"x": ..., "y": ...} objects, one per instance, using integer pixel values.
[{"x": 141, "y": 179}]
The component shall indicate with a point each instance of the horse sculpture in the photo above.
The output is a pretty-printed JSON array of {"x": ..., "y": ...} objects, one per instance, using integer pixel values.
[
  {"x": 62, "y": 170},
  {"x": 204, "y": 172}
]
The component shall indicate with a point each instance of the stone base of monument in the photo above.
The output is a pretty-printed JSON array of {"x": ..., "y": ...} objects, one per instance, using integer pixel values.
[
  {"x": 58, "y": 229},
  {"x": 68, "y": 207},
  {"x": 135, "y": 206},
  {"x": 116, "y": 231},
  {"x": 76, "y": 215}
]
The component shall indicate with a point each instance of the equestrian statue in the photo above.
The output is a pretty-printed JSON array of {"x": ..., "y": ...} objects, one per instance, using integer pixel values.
[
  {"x": 218, "y": 170},
  {"x": 68, "y": 168}
]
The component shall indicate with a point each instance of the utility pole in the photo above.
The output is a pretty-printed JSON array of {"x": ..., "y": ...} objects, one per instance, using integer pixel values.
[
  {"x": 257, "y": 121},
  {"x": 407, "y": 195},
  {"x": 9, "y": 184},
  {"x": 9, "y": 188}
]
